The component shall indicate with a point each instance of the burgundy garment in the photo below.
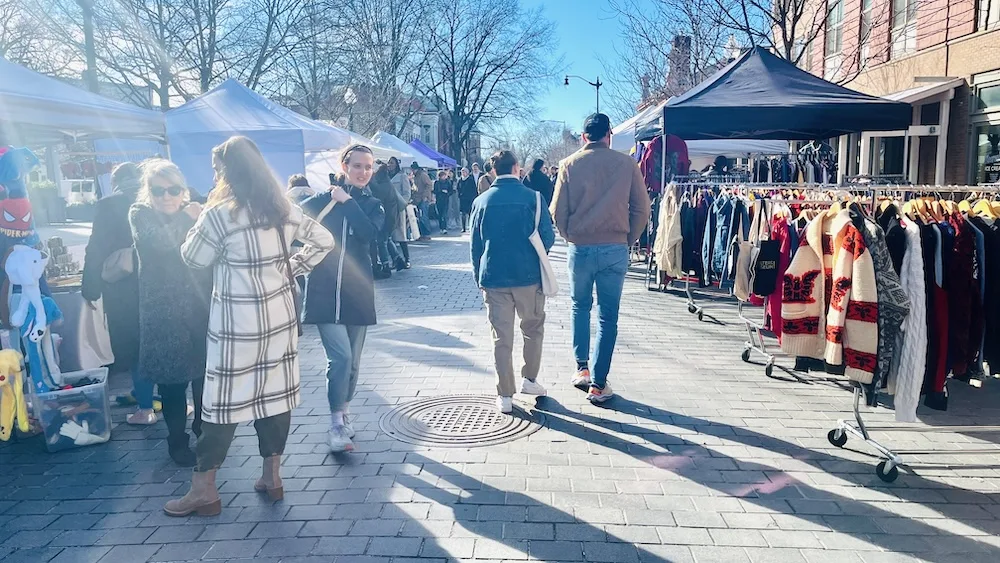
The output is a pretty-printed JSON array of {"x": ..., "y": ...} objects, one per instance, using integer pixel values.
[
  {"x": 676, "y": 145},
  {"x": 963, "y": 297},
  {"x": 780, "y": 231},
  {"x": 650, "y": 166}
]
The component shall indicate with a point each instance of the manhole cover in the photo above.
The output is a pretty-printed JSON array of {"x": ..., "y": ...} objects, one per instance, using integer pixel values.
[{"x": 458, "y": 421}]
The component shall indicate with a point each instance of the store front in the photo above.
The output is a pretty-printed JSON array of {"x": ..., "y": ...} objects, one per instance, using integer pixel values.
[{"x": 985, "y": 129}]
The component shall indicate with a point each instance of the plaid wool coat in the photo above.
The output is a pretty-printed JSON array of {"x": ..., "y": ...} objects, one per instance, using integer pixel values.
[{"x": 252, "y": 369}]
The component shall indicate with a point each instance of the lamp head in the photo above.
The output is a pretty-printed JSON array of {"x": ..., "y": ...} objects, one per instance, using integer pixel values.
[{"x": 566, "y": 81}]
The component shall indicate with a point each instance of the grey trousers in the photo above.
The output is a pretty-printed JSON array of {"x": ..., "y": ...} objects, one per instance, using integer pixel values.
[
  {"x": 502, "y": 304},
  {"x": 215, "y": 439}
]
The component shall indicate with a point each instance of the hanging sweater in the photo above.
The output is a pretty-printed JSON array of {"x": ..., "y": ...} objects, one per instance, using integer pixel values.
[
  {"x": 829, "y": 301},
  {"x": 906, "y": 373},
  {"x": 668, "y": 246}
]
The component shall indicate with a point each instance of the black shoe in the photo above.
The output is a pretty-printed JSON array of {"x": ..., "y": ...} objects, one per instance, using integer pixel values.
[
  {"x": 181, "y": 453},
  {"x": 401, "y": 265},
  {"x": 383, "y": 272}
]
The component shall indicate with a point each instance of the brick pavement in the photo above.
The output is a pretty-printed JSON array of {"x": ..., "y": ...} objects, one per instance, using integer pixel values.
[{"x": 701, "y": 458}]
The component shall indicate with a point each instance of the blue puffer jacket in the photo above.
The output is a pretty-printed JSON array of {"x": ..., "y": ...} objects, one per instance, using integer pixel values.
[{"x": 503, "y": 218}]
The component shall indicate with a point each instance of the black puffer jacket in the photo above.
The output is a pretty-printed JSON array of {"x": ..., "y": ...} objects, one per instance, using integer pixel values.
[
  {"x": 383, "y": 190},
  {"x": 341, "y": 290}
]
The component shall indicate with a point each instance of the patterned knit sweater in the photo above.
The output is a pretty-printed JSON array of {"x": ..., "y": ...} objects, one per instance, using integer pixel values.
[{"x": 829, "y": 304}]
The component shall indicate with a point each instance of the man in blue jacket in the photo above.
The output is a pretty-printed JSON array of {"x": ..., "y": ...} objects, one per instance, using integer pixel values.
[{"x": 507, "y": 270}]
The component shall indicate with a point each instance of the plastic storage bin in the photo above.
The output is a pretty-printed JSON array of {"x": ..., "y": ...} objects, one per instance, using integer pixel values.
[{"x": 75, "y": 417}]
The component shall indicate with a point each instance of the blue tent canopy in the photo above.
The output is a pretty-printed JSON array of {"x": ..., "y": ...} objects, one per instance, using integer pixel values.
[
  {"x": 761, "y": 96},
  {"x": 231, "y": 108},
  {"x": 444, "y": 161}
]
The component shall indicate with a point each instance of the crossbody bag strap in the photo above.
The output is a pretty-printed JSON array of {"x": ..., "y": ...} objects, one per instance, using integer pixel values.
[
  {"x": 326, "y": 211},
  {"x": 538, "y": 209},
  {"x": 291, "y": 278}
]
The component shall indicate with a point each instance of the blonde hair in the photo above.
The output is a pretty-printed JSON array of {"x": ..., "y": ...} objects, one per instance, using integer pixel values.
[
  {"x": 159, "y": 168},
  {"x": 245, "y": 181}
]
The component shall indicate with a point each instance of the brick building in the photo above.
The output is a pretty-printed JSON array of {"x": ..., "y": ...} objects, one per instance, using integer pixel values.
[{"x": 942, "y": 56}]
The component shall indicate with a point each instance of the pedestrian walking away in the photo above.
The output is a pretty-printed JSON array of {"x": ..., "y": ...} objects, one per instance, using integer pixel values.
[
  {"x": 600, "y": 206},
  {"x": 340, "y": 292},
  {"x": 467, "y": 193},
  {"x": 442, "y": 194},
  {"x": 245, "y": 236},
  {"x": 385, "y": 255},
  {"x": 424, "y": 198},
  {"x": 507, "y": 269},
  {"x": 485, "y": 181},
  {"x": 173, "y": 301},
  {"x": 539, "y": 181}
]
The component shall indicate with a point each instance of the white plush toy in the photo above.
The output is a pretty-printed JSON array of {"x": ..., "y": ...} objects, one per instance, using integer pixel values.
[{"x": 24, "y": 267}]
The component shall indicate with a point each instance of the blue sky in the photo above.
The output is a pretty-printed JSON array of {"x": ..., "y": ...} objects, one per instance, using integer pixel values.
[{"x": 585, "y": 30}]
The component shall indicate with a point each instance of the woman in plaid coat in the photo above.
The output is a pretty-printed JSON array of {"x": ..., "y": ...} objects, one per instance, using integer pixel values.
[{"x": 252, "y": 374}]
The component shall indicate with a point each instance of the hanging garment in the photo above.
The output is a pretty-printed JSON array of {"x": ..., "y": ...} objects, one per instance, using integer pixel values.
[
  {"x": 781, "y": 231},
  {"x": 933, "y": 387},
  {"x": 667, "y": 246},
  {"x": 991, "y": 300},
  {"x": 895, "y": 236},
  {"x": 906, "y": 373},
  {"x": 829, "y": 302},
  {"x": 963, "y": 297},
  {"x": 893, "y": 304},
  {"x": 977, "y": 321},
  {"x": 690, "y": 255}
]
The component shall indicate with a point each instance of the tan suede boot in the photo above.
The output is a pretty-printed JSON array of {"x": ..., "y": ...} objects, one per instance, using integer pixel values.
[
  {"x": 270, "y": 481},
  {"x": 203, "y": 498}
]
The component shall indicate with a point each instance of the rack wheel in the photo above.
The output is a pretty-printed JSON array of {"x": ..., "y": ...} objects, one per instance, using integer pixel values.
[
  {"x": 836, "y": 440},
  {"x": 701, "y": 316},
  {"x": 768, "y": 369},
  {"x": 746, "y": 355},
  {"x": 887, "y": 476},
  {"x": 692, "y": 309}
]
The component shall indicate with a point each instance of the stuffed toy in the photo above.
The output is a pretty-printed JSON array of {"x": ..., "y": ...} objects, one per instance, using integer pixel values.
[
  {"x": 24, "y": 267},
  {"x": 13, "y": 407},
  {"x": 43, "y": 366},
  {"x": 16, "y": 222}
]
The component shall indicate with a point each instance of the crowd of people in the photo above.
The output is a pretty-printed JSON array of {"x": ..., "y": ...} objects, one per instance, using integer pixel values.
[{"x": 217, "y": 291}]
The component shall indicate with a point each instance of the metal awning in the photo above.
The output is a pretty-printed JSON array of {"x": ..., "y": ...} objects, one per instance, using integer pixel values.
[{"x": 924, "y": 91}]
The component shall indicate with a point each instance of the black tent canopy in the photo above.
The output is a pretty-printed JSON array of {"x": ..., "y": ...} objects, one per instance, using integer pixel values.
[{"x": 761, "y": 96}]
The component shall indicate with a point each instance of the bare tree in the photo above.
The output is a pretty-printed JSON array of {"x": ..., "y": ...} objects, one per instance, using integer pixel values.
[
  {"x": 668, "y": 46},
  {"x": 265, "y": 35},
  {"x": 205, "y": 35},
  {"x": 486, "y": 63},
  {"x": 23, "y": 41}
]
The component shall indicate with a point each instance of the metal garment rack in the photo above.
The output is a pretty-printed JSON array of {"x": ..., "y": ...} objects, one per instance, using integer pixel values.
[
  {"x": 653, "y": 274},
  {"x": 888, "y": 469}
]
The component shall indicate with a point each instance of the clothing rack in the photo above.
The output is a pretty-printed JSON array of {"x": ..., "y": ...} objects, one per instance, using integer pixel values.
[{"x": 652, "y": 273}]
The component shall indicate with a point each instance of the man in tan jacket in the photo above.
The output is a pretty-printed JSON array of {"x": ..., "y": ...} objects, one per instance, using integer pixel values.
[
  {"x": 600, "y": 207},
  {"x": 485, "y": 181}
]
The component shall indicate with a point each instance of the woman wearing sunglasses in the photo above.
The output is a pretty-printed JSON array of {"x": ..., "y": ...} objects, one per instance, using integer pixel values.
[{"x": 173, "y": 301}]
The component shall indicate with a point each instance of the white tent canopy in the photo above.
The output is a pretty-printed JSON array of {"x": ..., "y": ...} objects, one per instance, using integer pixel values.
[
  {"x": 39, "y": 108},
  {"x": 623, "y": 140},
  {"x": 385, "y": 139},
  {"x": 283, "y": 136}
]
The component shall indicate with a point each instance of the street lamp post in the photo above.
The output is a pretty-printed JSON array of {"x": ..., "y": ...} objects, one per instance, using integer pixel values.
[{"x": 597, "y": 86}]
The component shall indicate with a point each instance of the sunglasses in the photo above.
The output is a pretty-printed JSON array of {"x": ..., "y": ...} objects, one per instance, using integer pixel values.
[{"x": 172, "y": 190}]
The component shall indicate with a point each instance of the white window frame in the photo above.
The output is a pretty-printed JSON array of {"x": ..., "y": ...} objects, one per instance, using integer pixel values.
[
  {"x": 833, "y": 41},
  {"x": 904, "y": 27},
  {"x": 987, "y": 15},
  {"x": 867, "y": 29}
]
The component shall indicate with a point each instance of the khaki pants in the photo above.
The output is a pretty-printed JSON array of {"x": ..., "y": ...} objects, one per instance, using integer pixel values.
[{"x": 501, "y": 305}]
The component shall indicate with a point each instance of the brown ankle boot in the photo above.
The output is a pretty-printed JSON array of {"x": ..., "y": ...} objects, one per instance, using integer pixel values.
[
  {"x": 202, "y": 499},
  {"x": 270, "y": 481}
]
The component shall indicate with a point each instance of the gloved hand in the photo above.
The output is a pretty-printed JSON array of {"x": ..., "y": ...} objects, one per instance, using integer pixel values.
[{"x": 80, "y": 435}]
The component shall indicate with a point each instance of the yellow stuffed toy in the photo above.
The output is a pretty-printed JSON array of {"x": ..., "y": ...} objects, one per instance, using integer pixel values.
[{"x": 12, "y": 404}]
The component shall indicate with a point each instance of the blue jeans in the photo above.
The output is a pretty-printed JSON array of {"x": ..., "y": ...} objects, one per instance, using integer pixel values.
[
  {"x": 603, "y": 265},
  {"x": 343, "y": 345},
  {"x": 142, "y": 390},
  {"x": 424, "y": 219}
]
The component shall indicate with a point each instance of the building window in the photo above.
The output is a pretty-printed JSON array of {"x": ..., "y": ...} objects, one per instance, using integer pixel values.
[
  {"x": 834, "y": 39},
  {"x": 904, "y": 27},
  {"x": 867, "y": 29},
  {"x": 989, "y": 14}
]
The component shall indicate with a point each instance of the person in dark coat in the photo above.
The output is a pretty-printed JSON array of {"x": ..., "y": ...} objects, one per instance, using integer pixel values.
[
  {"x": 387, "y": 253},
  {"x": 174, "y": 301},
  {"x": 110, "y": 233},
  {"x": 340, "y": 292},
  {"x": 443, "y": 187},
  {"x": 539, "y": 181},
  {"x": 467, "y": 192}
]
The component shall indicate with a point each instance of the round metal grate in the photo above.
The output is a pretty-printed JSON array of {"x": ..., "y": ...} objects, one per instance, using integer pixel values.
[{"x": 458, "y": 421}]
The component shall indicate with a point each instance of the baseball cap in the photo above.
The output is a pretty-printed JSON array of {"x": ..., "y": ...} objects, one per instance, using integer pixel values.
[{"x": 597, "y": 126}]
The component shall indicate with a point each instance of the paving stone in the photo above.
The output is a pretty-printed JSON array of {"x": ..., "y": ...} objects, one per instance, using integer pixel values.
[
  {"x": 187, "y": 551},
  {"x": 232, "y": 549},
  {"x": 81, "y": 555},
  {"x": 137, "y": 553}
]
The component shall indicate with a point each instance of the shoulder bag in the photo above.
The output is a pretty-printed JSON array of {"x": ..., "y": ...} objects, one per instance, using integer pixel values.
[
  {"x": 764, "y": 257},
  {"x": 119, "y": 265},
  {"x": 291, "y": 278},
  {"x": 550, "y": 285}
]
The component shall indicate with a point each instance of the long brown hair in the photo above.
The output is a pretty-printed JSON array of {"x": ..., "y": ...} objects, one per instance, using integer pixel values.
[{"x": 244, "y": 178}]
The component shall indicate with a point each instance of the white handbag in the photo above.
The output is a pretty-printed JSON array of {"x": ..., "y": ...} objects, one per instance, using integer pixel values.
[{"x": 550, "y": 285}]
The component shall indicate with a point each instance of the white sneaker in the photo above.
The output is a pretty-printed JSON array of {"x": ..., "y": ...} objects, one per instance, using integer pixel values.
[
  {"x": 582, "y": 378},
  {"x": 339, "y": 440},
  {"x": 529, "y": 387},
  {"x": 142, "y": 417},
  {"x": 596, "y": 395},
  {"x": 505, "y": 404},
  {"x": 348, "y": 427}
]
